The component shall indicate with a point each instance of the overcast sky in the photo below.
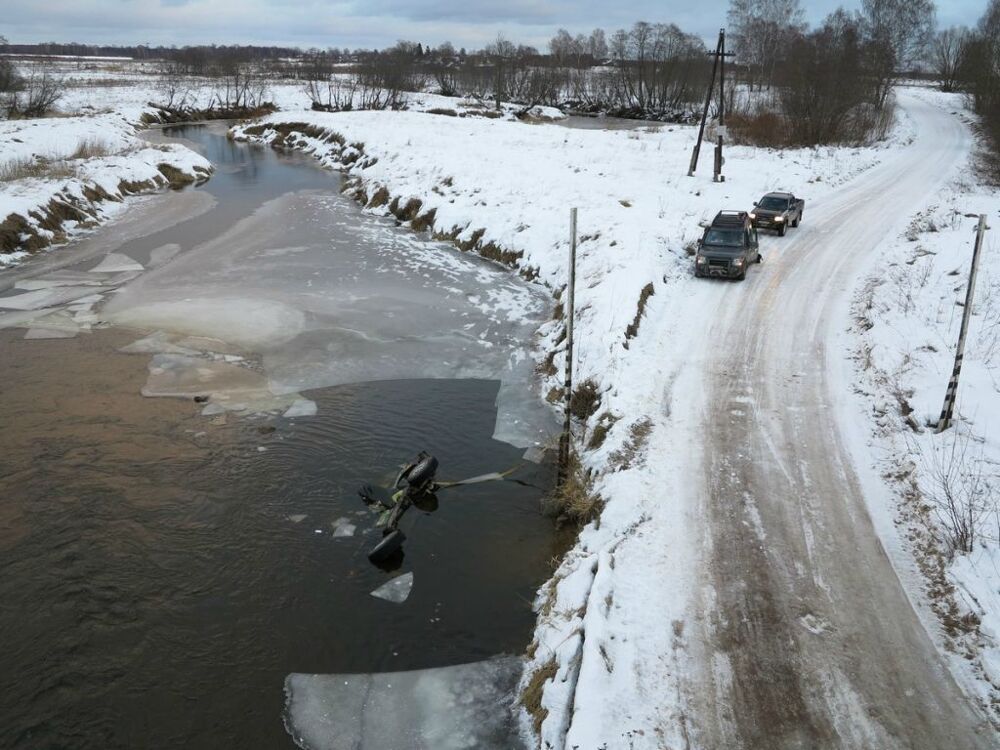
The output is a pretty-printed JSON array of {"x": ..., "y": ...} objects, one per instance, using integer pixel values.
[{"x": 370, "y": 23}]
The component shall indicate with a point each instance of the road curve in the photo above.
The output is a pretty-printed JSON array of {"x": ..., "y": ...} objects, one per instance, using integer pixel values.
[{"x": 809, "y": 640}]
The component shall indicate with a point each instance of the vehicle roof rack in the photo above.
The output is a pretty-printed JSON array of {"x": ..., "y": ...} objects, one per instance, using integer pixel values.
[{"x": 730, "y": 219}]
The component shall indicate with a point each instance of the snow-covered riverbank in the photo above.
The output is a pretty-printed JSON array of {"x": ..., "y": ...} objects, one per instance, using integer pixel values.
[{"x": 61, "y": 175}]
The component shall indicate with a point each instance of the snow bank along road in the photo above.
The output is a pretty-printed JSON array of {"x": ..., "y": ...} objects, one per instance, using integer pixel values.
[{"x": 807, "y": 637}]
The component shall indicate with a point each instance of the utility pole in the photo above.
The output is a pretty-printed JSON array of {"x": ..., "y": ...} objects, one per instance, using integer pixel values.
[
  {"x": 564, "y": 441},
  {"x": 948, "y": 409},
  {"x": 719, "y": 160},
  {"x": 719, "y": 56}
]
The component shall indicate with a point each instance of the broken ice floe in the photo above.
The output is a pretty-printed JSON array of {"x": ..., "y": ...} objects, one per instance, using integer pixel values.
[
  {"x": 397, "y": 590},
  {"x": 465, "y": 706},
  {"x": 229, "y": 387},
  {"x": 158, "y": 342},
  {"x": 301, "y": 407},
  {"x": 297, "y": 517},
  {"x": 343, "y": 527},
  {"x": 117, "y": 263},
  {"x": 48, "y": 283},
  {"x": 40, "y": 298},
  {"x": 246, "y": 322}
]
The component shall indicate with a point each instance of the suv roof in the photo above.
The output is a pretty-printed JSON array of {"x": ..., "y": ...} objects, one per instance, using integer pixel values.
[
  {"x": 731, "y": 219},
  {"x": 779, "y": 194}
]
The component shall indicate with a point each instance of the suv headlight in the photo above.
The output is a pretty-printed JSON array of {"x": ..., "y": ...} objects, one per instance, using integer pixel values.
[
  {"x": 779, "y": 218},
  {"x": 738, "y": 261},
  {"x": 700, "y": 260},
  {"x": 753, "y": 215}
]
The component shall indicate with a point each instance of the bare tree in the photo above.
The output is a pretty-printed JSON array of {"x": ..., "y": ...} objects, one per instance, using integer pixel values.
[
  {"x": 826, "y": 91},
  {"x": 947, "y": 54},
  {"x": 561, "y": 46},
  {"x": 9, "y": 80},
  {"x": 980, "y": 77},
  {"x": 597, "y": 45},
  {"x": 960, "y": 493},
  {"x": 178, "y": 91},
  {"x": 34, "y": 94},
  {"x": 760, "y": 31},
  {"x": 900, "y": 32}
]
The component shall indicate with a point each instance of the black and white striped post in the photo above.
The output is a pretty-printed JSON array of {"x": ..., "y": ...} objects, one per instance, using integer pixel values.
[
  {"x": 948, "y": 409},
  {"x": 564, "y": 441}
]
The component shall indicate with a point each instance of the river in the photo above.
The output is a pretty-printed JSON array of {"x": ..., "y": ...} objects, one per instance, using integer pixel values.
[{"x": 165, "y": 569}]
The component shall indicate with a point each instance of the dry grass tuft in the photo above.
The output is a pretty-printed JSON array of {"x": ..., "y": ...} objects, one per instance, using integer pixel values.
[
  {"x": 762, "y": 129},
  {"x": 380, "y": 198},
  {"x": 90, "y": 148},
  {"x": 633, "y": 327},
  {"x": 604, "y": 424},
  {"x": 574, "y": 500},
  {"x": 586, "y": 400},
  {"x": 531, "y": 696},
  {"x": 627, "y": 456},
  {"x": 175, "y": 177}
]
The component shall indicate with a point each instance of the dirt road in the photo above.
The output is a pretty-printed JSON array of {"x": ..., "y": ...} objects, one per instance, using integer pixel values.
[{"x": 808, "y": 639}]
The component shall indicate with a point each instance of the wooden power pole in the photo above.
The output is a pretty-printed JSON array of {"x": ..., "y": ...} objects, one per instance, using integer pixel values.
[{"x": 718, "y": 66}]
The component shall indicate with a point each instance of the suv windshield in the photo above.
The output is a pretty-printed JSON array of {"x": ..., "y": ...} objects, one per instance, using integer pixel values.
[
  {"x": 773, "y": 204},
  {"x": 724, "y": 237}
]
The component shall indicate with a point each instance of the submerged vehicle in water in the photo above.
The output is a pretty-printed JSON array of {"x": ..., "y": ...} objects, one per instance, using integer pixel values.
[{"x": 415, "y": 485}]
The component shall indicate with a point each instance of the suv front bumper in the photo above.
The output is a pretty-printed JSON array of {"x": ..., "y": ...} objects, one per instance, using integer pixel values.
[{"x": 718, "y": 270}]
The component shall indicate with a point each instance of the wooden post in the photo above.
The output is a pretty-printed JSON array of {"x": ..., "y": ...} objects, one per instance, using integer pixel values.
[
  {"x": 564, "y": 442},
  {"x": 948, "y": 409}
]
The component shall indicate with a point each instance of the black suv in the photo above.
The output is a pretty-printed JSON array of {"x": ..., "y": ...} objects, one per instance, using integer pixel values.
[{"x": 728, "y": 246}]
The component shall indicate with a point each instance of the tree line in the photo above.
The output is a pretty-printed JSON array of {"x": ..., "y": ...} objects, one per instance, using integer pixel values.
[
  {"x": 968, "y": 60},
  {"x": 787, "y": 85}
]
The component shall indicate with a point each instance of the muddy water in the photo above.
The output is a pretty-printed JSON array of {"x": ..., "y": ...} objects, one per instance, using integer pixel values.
[{"x": 156, "y": 590}]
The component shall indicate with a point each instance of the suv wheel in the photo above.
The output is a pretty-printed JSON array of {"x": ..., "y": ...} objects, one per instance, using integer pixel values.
[{"x": 781, "y": 230}]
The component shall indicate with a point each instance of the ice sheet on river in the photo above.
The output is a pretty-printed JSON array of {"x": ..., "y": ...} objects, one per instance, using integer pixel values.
[
  {"x": 230, "y": 387},
  {"x": 357, "y": 300},
  {"x": 466, "y": 706}
]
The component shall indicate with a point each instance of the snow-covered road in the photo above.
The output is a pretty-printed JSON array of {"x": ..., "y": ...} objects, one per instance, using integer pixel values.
[{"x": 806, "y": 637}]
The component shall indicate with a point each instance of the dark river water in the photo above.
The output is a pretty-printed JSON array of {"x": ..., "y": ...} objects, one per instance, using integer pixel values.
[{"x": 155, "y": 591}]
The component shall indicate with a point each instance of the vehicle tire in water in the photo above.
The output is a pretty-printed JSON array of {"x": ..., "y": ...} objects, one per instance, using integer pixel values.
[
  {"x": 389, "y": 545},
  {"x": 422, "y": 472}
]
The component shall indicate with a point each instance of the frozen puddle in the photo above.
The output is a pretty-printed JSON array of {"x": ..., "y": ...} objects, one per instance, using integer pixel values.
[{"x": 466, "y": 706}]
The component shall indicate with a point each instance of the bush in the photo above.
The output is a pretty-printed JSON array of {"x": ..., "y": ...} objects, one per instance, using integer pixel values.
[{"x": 585, "y": 400}]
